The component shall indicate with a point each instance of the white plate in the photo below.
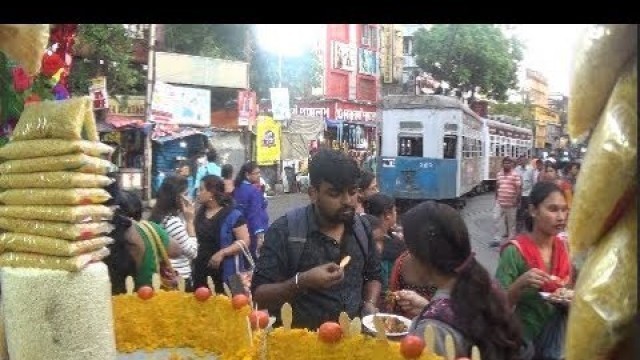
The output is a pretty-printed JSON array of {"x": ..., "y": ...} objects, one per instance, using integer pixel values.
[
  {"x": 548, "y": 296},
  {"x": 367, "y": 321}
]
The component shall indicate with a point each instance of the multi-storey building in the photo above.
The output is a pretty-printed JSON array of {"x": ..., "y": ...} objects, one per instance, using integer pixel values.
[{"x": 547, "y": 121}]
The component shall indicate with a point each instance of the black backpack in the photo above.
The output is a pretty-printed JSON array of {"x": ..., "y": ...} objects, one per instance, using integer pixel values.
[{"x": 298, "y": 226}]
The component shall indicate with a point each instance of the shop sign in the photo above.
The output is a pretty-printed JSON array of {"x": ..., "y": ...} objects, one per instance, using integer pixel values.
[
  {"x": 247, "y": 108},
  {"x": 98, "y": 93},
  {"x": 268, "y": 132},
  {"x": 344, "y": 56},
  {"x": 368, "y": 62},
  {"x": 355, "y": 115}
]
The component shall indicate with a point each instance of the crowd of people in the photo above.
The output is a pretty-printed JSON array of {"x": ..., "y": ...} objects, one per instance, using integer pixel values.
[{"x": 420, "y": 265}]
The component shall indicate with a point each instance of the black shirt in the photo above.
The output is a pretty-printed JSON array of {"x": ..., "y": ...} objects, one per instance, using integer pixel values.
[
  {"x": 208, "y": 234},
  {"x": 314, "y": 307}
]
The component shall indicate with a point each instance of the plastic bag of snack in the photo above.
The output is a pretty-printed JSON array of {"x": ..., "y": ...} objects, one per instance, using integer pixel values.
[
  {"x": 17, "y": 242},
  {"x": 59, "y": 119},
  {"x": 25, "y": 43},
  {"x": 606, "y": 295},
  {"x": 52, "y": 147},
  {"x": 601, "y": 54},
  {"x": 53, "y": 180},
  {"x": 29, "y": 260},
  {"x": 608, "y": 172},
  {"x": 74, "y": 162},
  {"x": 58, "y": 230},
  {"x": 54, "y": 196},
  {"x": 63, "y": 213}
]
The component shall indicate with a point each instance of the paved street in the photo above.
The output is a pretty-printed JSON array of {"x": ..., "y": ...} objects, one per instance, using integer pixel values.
[{"x": 477, "y": 214}]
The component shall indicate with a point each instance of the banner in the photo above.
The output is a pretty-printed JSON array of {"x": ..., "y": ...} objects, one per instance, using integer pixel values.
[
  {"x": 387, "y": 67},
  {"x": 344, "y": 56},
  {"x": 368, "y": 63},
  {"x": 268, "y": 132},
  {"x": 98, "y": 93},
  {"x": 247, "y": 108},
  {"x": 180, "y": 105},
  {"x": 280, "y": 104}
]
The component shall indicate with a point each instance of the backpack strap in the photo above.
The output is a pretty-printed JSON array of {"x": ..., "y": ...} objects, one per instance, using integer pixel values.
[
  {"x": 362, "y": 231},
  {"x": 159, "y": 251},
  {"x": 298, "y": 228}
]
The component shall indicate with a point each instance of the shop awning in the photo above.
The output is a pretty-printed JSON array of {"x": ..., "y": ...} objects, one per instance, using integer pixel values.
[{"x": 120, "y": 121}]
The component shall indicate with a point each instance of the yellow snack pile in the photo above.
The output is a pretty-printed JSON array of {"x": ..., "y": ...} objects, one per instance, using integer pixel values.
[
  {"x": 53, "y": 147},
  {"x": 16, "y": 242},
  {"x": 56, "y": 119},
  {"x": 32, "y": 260},
  {"x": 58, "y": 230},
  {"x": 53, "y": 180},
  {"x": 25, "y": 43},
  {"x": 54, "y": 196},
  {"x": 70, "y": 214},
  {"x": 75, "y": 162}
]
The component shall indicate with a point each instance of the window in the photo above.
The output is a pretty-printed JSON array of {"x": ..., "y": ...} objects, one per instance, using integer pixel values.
[
  {"x": 407, "y": 45},
  {"x": 369, "y": 36},
  {"x": 450, "y": 143},
  {"x": 410, "y": 146}
]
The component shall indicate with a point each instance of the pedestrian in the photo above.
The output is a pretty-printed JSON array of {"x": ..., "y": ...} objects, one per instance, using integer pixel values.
[
  {"x": 227, "y": 178},
  {"x": 527, "y": 176},
  {"x": 467, "y": 305},
  {"x": 250, "y": 200},
  {"x": 551, "y": 175},
  {"x": 538, "y": 261},
  {"x": 572, "y": 173},
  {"x": 508, "y": 190},
  {"x": 176, "y": 213},
  {"x": 367, "y": 186},
  {"x": 207, "y": 165},
  {"x": 300, "y": 259},
  {"x": 222, "y": 234}
]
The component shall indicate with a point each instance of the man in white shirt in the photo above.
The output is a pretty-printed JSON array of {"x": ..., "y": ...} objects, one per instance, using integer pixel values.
[{"x": 528, "y": 177}]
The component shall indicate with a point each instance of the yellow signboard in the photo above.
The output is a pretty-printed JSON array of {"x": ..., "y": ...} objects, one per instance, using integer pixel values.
[
  {"x": 545, "y": 116},
  {"x": 387, "y": 64},
  {"x": 268, "y": 132}
]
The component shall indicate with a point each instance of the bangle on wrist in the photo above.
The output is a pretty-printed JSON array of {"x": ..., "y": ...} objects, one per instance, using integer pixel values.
[{"x": 297, "y": 281}]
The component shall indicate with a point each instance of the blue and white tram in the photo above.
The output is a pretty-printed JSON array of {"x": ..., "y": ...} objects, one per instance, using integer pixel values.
[
  {"x": 503, "y": 140},
  {"x": 431, "y": 148}
]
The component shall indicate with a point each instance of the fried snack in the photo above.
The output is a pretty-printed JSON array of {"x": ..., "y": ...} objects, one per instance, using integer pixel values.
[
  {"x": 54, "y": 196},
  {"x": 602, "y": 52},
  {"x": 609, "y": 168},
  {"x": 25, "y": 43},
  {"x": 53, "y": 180},
  {"x": 74, "y": 162},
  {"x": 605, "y": 299},
  {"x": 50, "y": 246},
  {"x": 56, "y": 229},
  {"x": 63, "y": 213},
  {"x": 52, "y": 147},
  {"x": 39, "y": 261},
  {"x": 59, "y": 119}
]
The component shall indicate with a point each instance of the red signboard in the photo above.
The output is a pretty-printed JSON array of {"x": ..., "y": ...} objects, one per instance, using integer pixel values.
[{"x": 247, "y": 108}]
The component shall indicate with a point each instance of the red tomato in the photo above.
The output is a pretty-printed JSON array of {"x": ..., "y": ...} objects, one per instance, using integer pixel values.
[
  {"x": 330, "y": 332},
  {"x": 239, "y": 301},
  {"x": 145, "y": 292},
  {"x": 202, "y": 293},
  {"x": 258, "y": 318},
  {"x": 411, "y": 347}
]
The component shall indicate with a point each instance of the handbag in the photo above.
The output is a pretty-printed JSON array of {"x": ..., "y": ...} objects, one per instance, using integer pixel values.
[
  {"x": 168, "y": 275},
  {"x": 240, "y": 282}
]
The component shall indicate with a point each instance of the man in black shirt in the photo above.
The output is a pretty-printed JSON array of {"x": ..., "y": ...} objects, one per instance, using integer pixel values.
[{"x": 310, "y": 279}]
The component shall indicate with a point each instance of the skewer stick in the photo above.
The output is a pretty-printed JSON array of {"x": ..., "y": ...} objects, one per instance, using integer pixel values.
[
  {"x": 155, "y": 281},
  {"x": 129, "y": 285},
  {"x": 286, "y": 313},
  {"x": 181, "y": 284},
  {"x": 345, "y": 323},
  {"x": 450, "y": 347},
  {"x": 356, "y": 326},
  {"x": 430, "y": 338},
  {"x": 475, "y": 353},
  {"x": 212, "y": 287},
  {"x": 378, "y": 323}
]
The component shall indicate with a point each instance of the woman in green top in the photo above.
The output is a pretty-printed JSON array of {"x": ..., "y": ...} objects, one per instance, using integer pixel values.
[{"x": 537, "y": 261}]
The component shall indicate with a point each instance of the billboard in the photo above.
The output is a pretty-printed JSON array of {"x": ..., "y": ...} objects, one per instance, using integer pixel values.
[
  {"x": 181, "y": 105},
  {"x": 268, "y": 139}
]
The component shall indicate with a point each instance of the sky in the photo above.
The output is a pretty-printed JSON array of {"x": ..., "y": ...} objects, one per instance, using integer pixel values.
[
  {"x": 549, "y": 50},
  {"x": 549, "y": 47}
]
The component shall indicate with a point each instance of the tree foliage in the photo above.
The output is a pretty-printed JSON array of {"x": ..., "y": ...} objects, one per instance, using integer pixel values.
[
  {"x": 470, "y": 56},
  {"x": 220, "y": 41},
  {"x": 523, "y": 111},
  {"x": 299, "y": 74},
  {"x": 111, "y": 45}
]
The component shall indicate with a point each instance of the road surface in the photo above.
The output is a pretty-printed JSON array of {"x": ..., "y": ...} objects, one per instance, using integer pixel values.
[{"x": 477, "y": 215}]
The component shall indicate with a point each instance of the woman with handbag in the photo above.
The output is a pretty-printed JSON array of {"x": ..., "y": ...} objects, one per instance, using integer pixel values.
[
  {"x": 535, "y": 262},
  {"x": 223, "y": 236}
]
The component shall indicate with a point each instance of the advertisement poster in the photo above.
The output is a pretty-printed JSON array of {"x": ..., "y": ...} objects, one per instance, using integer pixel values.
[
  {"x": 247, "y": 108},
  {"x": 280, "y": 104},
  {"x": 344, "y": 56},
  {"x": 98, "y": 93},
  {"x": 181, "y": 105},
  {"x": 368, "y": 63},
  {"x": 268, "y": 139}
]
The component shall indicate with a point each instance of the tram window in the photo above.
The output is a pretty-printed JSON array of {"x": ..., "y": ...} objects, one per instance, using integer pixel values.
[
  {"x": 450, "y": 144},
  {"x": 410, "y": 146}
]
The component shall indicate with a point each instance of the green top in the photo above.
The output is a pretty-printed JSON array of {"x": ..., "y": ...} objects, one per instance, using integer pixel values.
[
  {"x": 532, "y": 310},
  {"x": 148, "y": 265}
]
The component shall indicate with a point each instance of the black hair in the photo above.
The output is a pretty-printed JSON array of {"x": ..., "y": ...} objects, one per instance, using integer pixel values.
[
  {"x": 169, "y": 198},
  {"x": 227, "y": 171},
  {"x": 335, "y": 168},
  {"x": 437, "y": 236},
  {"x": 246, "y": 168},
  {"x": 374, "y": 221},
  {"x": 120, "y": 263},
  {"x": 507, "y": 159},
  {"x": 215, "y": 185},
  {"x": 540, "y": 191},
  {"x": 573, "y": 164},
  {"x": 379, "y": 204},
  {"x": 365, "y": 180},
  {"x": 212, "y": 155}
]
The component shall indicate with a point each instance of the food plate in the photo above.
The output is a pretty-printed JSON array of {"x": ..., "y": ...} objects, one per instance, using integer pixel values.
[
  {"x": 551, "y": 297},
  {"x": 367, "y": 321}
]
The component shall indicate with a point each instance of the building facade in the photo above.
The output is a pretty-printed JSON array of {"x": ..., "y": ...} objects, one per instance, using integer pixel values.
[{"x": 547, "y": 121}]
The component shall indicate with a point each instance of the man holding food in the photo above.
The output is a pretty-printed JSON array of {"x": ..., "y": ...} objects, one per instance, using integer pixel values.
[{"x": 320, "y": 258}]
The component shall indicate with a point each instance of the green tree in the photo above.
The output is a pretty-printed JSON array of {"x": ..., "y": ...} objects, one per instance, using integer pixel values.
[
  {"x": 523, "y": 111},
  {"x": 470, "y": 56},
  {"x": 106, "y": 50},
  {"x": 299, "y": 74},
  {"x": 220, "y": 41}
]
